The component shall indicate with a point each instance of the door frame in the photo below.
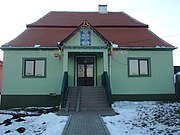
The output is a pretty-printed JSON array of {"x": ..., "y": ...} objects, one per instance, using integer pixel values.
[{"x": 75, "y": 71}]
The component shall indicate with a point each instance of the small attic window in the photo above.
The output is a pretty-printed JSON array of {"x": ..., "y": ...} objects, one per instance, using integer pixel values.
[{"x": 85, "y": 38}]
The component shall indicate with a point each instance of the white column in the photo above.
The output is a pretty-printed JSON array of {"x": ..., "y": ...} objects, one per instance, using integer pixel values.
[
  {"x": 105, "y": 60},
  {"x": 65, "y": 60}
]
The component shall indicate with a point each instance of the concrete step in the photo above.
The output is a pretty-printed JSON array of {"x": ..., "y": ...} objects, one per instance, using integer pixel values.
[
  {"x": 95, "y": 108},
  {"x": 93, "y": 102}
]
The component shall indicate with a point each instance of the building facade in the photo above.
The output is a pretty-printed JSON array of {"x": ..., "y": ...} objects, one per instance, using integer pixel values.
[{"x": 85, "y": 45}]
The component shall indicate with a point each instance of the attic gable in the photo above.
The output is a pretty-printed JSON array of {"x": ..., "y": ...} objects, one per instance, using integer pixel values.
[{"x": 85, "y": 35}]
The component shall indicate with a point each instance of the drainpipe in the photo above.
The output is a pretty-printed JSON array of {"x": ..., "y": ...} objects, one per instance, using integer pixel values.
[{"x": 110, "y": 72}]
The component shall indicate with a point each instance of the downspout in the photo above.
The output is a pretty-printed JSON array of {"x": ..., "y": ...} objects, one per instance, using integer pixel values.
[
  {"x": 110, "y": 72},
  {"x": 110, "y": 63}
]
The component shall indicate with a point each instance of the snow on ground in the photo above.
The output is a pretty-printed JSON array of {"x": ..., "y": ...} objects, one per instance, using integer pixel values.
[
  {"x": 144, "y": 118},
  {"x": 45, "y": 124}
]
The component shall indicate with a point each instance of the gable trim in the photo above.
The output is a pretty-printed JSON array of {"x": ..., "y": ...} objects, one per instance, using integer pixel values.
[{"x": 85, "y": 23}]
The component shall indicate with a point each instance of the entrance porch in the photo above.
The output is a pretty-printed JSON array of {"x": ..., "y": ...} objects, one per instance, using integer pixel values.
[{"x": 85, "y": 97}]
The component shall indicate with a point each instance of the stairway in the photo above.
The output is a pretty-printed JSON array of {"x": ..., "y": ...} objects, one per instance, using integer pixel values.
[
  {"x": 84, "y": 98},
  {"x": 93, "y": 98}
]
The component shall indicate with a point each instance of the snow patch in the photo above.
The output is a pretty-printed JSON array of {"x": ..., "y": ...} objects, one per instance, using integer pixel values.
[
  {"x": 144, "y": 118},
  {"x": 44, "y": 124},
  {"x": 114, "y": 45},
  {"x": 37, "y": 46}
]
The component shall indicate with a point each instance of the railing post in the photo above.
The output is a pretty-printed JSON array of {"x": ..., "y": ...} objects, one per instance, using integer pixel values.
[
  {"x": 64, "y": 87},
  {"x": 106, "y": 84},
  {"x": 177, "y": 86}
]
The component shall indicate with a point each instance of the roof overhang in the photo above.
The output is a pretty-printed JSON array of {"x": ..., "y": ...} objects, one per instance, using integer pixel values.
[
  {"x": 146, "y": 48},
  {"x": 101, "y": 47},
  {"x": 28, "y": 48}
]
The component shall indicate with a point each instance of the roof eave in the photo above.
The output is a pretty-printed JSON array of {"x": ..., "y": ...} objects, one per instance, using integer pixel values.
[
  {"x": 146, "y": 48},
  {"x": 28, "y": 48}
]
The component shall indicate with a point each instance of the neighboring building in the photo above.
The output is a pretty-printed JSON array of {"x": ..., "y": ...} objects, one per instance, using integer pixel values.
[
  {"x": 85, "y": 44},
  {"x": 176, "y": 69},
  {"x": 1, "y": 67}
]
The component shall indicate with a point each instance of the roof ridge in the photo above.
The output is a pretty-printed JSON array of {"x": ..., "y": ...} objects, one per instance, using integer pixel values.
[
  {"x": 159, "y": 38},
  {"x": 85, "y": 11},
  {"x": 18, "y": 36},
  {"x": 40, "y": 18},
  {"x": 134, "y": 19},
  {"x": 52, "y": 16}
]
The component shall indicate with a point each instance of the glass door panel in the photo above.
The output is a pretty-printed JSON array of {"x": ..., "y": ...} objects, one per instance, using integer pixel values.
[{"x": 85, "y": 71}]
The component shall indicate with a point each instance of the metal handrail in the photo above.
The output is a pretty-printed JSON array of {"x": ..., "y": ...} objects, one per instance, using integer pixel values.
[
  {"x": 106, "y": 84},
  {"x": 78, "y": 100},
  {"x": 64, "y": 88}
]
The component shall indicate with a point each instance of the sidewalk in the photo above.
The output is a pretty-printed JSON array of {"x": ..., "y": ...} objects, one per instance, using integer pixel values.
[{"x": 85, "y": 123}]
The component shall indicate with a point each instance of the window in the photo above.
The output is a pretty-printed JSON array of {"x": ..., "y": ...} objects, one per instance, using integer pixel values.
[
  {"x": 85, "y": 38},
  {"x": 139, "y": 67},
  {"x": 34, "y": 67}
]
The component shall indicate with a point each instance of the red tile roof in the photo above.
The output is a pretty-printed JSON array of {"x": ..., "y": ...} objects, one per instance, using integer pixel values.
[
  {"x": 74, "y": 19},
  {"x": 118, "y": 28},
  {"x": 46, "y": 37}
]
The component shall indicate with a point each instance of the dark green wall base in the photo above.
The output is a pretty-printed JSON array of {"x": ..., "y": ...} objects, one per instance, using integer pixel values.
[
  {"x": 145, "y": 97},
  {"x": 17, "y": 101},
  {"x": 21, "y": 101}
]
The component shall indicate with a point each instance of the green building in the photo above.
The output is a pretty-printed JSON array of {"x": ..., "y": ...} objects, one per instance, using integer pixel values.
[{"x": 64, "y": 50}]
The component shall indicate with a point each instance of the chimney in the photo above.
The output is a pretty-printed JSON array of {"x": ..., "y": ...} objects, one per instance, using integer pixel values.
[{"x": 102, "y": 9}]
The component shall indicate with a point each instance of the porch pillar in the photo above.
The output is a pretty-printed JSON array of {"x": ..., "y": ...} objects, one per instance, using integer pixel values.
[
  {"x": 65, "y": 60},
  {"x": 105, "y": 60}
]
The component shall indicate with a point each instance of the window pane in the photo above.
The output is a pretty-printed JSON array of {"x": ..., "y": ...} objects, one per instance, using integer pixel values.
[
  {"x": 29, "y": 67},
  {"x": 133, "y": 67},
  {"x": 89, "y": 70},
  {"x": 81, "y": 70},
  {"x": 39, "y": 68},
  {"x": 143, "y": 67}
]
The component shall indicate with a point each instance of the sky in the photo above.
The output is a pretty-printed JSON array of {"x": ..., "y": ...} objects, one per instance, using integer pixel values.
[{"x": 162, "y": 16}]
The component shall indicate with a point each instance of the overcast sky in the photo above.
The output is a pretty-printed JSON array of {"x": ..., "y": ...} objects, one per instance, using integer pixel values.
[{"x": 162, "y": 16}]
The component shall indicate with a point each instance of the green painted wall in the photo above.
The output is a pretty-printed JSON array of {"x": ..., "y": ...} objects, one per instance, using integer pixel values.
[
  {"x": 99, "y": 69},
  {"x": 71, "y": 69},
  {"x": 15, "y": 84},
  {"x": 160, "y": 81}
]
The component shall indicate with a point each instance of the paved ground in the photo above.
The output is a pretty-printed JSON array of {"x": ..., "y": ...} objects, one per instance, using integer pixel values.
[{"x": 86, "y": 123}]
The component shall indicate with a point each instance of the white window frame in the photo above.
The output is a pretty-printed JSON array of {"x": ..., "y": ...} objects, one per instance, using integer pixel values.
[
  {"x": 142, "y": 69},
  {"x": 35, "y": 67}
]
